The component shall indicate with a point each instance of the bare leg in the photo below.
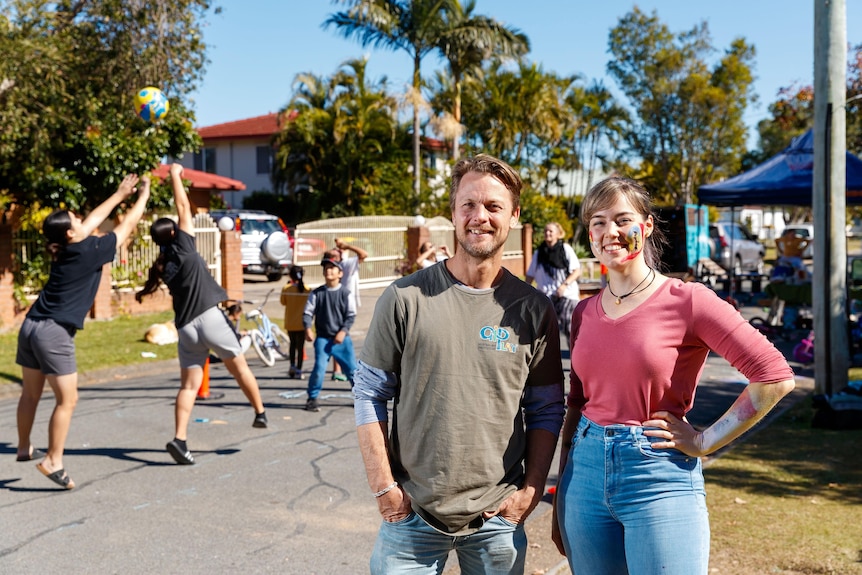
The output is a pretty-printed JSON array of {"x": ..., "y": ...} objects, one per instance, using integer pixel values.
[
  {"x": 65, "y": 389},
  {"x": 191, "y": 380},
  {"x": 238, "y": 368},
  {"x": 31, "y": 392}
]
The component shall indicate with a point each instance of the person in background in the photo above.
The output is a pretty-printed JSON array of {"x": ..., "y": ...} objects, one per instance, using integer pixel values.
[
  {"x": 430, "y": 254},
  {"x": 46, "y": 340},
  {"x": 330, "y": 310},
  {"x": 556, "y": 269},
  {"x": 201, "y": 325},
  {"x": 294, "y": 296},
  {"x": 472, "y": 356},
  {"x": 630, "y": 497},
  {"x": 350, "y": 281}
]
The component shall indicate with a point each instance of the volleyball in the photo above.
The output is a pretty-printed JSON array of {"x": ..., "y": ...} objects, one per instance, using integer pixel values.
[{"x": 151, "y": 104}]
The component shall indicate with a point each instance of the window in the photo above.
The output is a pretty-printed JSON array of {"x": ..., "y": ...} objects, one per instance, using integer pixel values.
[
  {"x": 204, "y": 160},
  {"x": 264, "y": 159}
]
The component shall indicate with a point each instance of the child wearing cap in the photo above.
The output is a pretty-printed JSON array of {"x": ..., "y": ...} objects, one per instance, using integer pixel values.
[{"x": 332, "y": 312}]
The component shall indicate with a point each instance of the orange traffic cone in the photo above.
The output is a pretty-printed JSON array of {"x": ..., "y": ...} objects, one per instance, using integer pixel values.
[
  {"x": 204, "y": 391},
  {"x": 304, "y": 354}
]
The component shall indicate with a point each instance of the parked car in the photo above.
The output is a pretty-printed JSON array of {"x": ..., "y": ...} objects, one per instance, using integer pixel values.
[
  {"x": 267, "y": 246},
  {"x": 735, "y": 248},
  {"x": 804, "y": 231}
]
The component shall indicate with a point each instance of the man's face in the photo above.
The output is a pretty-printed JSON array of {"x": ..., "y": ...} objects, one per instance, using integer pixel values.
[{"x": 483, "y": 215}]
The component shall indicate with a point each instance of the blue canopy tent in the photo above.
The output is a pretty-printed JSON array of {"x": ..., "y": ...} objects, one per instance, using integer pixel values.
[{"x": 784, "y": 180}]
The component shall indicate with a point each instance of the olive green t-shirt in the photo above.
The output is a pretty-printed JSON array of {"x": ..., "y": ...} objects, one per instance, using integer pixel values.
[{"x": 463, "y": 358}]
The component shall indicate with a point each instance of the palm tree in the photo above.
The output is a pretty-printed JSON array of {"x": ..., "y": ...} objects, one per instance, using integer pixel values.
[
  {"x": 414, "y": 26},
  {"x": 467, "y": 42}
]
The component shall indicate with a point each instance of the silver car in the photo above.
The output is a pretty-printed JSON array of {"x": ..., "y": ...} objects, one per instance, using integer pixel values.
[
  {"x": 267, "y": 247},
  {"x": 735, "y": 248}
]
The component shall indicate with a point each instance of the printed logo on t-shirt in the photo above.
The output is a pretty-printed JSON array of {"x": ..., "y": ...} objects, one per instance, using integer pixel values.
[{"x": 496, "y": 338}]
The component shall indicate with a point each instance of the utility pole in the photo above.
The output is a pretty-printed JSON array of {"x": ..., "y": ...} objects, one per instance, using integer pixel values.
[{"x": 831, "y": 350}]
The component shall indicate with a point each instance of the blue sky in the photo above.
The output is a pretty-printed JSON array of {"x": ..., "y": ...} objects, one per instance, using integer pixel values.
[{"x": 257, "y": 47}]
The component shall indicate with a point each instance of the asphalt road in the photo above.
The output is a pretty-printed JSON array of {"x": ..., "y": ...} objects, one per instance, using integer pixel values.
[{"x": 288, "y": 499}]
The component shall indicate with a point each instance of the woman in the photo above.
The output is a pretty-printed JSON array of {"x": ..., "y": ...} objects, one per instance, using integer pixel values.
[
  {"x": 46, "y": 341},
  {"x": 556, "y": 270},
  {"x": 201, "y": 325},
  {"x": 631, "y": 495}
]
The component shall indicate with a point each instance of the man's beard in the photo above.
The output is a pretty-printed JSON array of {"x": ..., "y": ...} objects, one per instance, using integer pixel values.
[{"x": 480, "y": 251}]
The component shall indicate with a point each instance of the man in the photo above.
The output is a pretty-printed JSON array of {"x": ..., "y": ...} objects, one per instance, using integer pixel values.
[
  {"x": 471, "y": 355},
  {"x": 350, "y": 281}
]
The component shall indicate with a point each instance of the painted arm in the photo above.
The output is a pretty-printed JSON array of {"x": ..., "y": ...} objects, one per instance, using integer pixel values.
[
  {"x": 103, "y": 210},
  {"x": 181, "y": 200},
  {"x": 134, "y": 215},
  {"x": 752, "y": 405}
]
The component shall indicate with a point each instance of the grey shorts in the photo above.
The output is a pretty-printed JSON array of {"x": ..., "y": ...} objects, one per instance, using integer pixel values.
[
  {"x": 211, "y": 330},
  {"x": 48, "y": 346}
]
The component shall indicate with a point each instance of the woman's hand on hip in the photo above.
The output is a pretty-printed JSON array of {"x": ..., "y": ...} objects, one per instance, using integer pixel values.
[{"x": 677, "y": 433}]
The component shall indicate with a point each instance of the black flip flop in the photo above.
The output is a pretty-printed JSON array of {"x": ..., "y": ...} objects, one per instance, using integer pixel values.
[
  {"x": 36, "y": 454},
  {"x": 59, "y": 477}
]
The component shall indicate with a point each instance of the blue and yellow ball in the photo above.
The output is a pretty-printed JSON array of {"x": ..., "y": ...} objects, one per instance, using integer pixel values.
[{"x": 151, "y": 104}]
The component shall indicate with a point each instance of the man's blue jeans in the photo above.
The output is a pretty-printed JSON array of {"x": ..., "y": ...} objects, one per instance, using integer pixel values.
[
  {"x": 412, "y": 546},
  {"x": 625, "y": 507},
  {"x": 324, "y": 348}
]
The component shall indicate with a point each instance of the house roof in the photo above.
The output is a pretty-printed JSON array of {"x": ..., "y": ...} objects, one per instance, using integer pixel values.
[
  {"x": 202, "y": 180},
  {"x": 256, "y": 127},
  {"x": 267, "y": 125}
]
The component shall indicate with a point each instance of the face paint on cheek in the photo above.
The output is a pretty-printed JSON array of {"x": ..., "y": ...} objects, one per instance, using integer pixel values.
[
  {"x": 635, "y": 239},
  {"x": 593, "y": 242}
]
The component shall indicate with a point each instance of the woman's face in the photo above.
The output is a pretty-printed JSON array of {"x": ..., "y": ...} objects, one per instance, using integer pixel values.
[
  {"x": 552, "y": 235},
  {"x": 618, "y": 233},
  {"x": 76, "y": 229}
]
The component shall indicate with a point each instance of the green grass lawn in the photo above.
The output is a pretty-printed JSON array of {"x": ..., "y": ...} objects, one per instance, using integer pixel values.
[
  {"x": 100, "y": 344},
  {"x": 788, "y": 500}
]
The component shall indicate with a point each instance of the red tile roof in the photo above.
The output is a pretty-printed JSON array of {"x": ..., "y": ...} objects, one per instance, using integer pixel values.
[
  {"x": 257, "y": 127},
  {"x": 201, "y": 180}
]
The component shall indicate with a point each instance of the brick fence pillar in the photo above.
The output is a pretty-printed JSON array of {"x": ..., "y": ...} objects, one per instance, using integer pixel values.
[
  {"x": 7, "y": 293},
  {"x": 527, "y": 245},
  {"x": 103, "y": 304},
  {"x": 416, "y": 236},
  {"x": 231, "y": 264}
]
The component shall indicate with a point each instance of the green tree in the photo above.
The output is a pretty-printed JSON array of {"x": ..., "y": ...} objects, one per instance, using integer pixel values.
[
  {"x": 414, "y": 26},
  {"x": 689, "y": 128},
  {"x": 467, "y": 41},
  {"x": 68, "y": 75},
  {"x": 341, "y": 144}
]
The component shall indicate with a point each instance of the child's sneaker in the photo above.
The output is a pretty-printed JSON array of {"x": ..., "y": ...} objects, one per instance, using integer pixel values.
[
  {"x": 260, "y": 420},
  {"x": 339, "y": 377}
]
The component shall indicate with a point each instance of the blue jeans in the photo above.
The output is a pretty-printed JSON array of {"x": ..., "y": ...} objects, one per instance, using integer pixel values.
[
  {"x": 412, "y": 546},
  {"x": 324, "y": 348},
  {"x": 625, "y": 507}
]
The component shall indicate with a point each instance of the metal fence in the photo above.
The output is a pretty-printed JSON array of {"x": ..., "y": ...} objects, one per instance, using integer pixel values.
[
  {"x": 385, "y": 240},
  {"x": 383, "y": 237}
]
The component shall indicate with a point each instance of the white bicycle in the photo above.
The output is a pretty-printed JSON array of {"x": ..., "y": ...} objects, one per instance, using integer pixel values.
[{"x": 267, "y": 339}]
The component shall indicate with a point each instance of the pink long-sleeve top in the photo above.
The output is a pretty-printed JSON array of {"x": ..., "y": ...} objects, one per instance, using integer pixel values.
[{"x": 651, "y": 359}]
